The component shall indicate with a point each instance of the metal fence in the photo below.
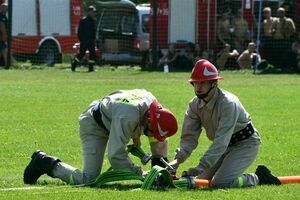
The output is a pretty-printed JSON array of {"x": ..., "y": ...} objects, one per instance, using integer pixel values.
[
  {"x": 233, "y": 34},
  {"x": 243, "y": 34}
]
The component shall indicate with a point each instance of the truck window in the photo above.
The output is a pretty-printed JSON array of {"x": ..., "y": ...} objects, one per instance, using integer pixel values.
[
  {"x": 50, "y": 25},
  {"x": 24, "y": 19},
  {"x": 145, "y": 23}
]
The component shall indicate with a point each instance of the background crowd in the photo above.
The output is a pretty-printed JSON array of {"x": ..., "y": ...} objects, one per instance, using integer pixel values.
[{"x": 236, "y": 45}]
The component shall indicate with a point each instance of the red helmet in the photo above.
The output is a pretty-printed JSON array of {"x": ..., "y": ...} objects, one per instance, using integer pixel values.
[
  {"x": 204, "y": 71},
  {"x": 164, "y": 123}
]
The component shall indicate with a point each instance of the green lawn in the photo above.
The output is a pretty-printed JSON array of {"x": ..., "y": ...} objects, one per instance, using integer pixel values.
[{"x": 39, "y": 110}]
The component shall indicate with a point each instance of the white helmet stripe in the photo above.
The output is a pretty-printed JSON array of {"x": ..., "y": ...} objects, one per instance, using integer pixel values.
[{"x": 161, "y": 132}]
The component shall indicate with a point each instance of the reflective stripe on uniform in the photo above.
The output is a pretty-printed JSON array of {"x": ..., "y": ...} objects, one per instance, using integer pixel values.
[
  {"x": 152, "y": 140},
  {"x": 240, "y": 182},
  {"x": 91, "y": 61},
  {"x": 125, "y": 101},
  {"x": 72, "y": 181}
]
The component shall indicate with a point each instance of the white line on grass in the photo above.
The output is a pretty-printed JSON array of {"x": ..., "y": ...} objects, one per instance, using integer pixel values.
[{"x": 33, "y": 188}]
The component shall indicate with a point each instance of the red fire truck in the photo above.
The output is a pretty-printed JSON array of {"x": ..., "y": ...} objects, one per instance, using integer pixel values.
[
  {"x": 42, "y": 30},
  {"x": 180, "y": 22}
]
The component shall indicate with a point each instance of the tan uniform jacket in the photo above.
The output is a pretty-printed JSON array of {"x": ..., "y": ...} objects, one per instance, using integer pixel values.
[
  {"x": 284, "y": 28},
  {"x": 222, "y": 116},
  {"x": 223, "y": 30},
  {"x": 267, "y": 27},
  {"x": 122, "y": 114},
  {"x": 240, "y": 27}
]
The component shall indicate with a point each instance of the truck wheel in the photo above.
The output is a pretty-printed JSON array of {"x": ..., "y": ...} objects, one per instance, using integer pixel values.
[{"x": 48, "y": 54}]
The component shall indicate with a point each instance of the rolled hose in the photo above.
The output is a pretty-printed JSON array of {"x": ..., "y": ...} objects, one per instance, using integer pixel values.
[
  {"x": 160, "y": 178},
  {"x": 139, "y": 152},
  {"x": 114, "y": 175}
]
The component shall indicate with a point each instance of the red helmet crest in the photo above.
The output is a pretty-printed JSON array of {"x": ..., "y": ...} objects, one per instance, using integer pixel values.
[
  {"x": 163, "y": 121},
  {"x": 204, "y": 71}
]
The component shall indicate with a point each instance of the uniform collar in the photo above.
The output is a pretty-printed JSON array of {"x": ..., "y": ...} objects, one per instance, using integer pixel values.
[{"x": 212, "y": 102}]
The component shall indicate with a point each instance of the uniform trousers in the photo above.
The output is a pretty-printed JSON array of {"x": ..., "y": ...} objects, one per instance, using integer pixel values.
[
  {"x": 94, "y": 140},
  {"x": 230, "y": 168}
]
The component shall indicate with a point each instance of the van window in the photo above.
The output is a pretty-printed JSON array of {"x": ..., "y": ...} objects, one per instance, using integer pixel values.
[
  {"x": 145, "y": 23},
  {"x": 109, "y": 22},
  {"x": 128, "y": 25}
]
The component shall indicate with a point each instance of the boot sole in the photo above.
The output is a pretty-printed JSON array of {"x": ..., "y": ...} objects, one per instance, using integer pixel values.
[
  {"x": 27, "y": 176},
  {"x": 266, "y": 175}
]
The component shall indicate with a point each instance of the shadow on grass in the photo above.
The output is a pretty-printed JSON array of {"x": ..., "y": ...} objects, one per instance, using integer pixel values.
[
  {"x": 109, "y": 186},
  {"x": 272, "y": 70},
  {"x": 119, "y": 186},
  {"x": 171, "y": 69}
]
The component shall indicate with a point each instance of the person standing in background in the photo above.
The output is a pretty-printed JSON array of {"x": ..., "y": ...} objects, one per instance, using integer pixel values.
[
  {"x": 3, "y": 34},
  {"x": 283, "y": 32},
  {"x": 241, "y": 34},
  {"x": 224, "y": 30},
  {"x": 267, "y": 33},
  {"x": 86, "y": 35}
]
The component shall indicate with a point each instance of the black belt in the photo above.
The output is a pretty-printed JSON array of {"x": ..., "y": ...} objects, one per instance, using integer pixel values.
[
  {"x": 243, "y": 134},
  {"x": 97, "y": 115}
]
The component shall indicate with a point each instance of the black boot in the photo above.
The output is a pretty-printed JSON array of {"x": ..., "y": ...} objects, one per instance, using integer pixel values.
[
  {"x": 265, "y": 177},
  {"x": 91, "y": 67},
  {"x": 74, "y": 64},
  {"x": 40, "y": 164}
]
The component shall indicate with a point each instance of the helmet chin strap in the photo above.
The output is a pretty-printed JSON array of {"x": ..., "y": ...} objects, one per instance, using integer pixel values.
[{"x": 202, "y": 96}]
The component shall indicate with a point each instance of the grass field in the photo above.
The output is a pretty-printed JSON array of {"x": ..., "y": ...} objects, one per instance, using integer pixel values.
[{"x": 39, "y": 110}]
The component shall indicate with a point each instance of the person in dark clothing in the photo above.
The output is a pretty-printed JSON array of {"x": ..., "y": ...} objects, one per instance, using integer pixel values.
[
  {"x": 170, "y": 58},
  {"x": 188, "y": 59},
  {"x": 290, "y": 60},
  {"x": 3, "y": 34},
  {"x": 86, "y": 35}
]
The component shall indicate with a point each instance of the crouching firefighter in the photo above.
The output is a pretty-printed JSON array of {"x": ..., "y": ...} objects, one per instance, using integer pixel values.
[
  {"x": 86, "y": 34},
  {"x": 113, "y": 121},
  {"x": 235, "y": 140}
]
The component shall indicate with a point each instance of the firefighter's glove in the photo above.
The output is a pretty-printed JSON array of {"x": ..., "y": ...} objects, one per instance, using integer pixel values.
[
  {"x": 194, "y": 171},
  {"x": 145, "y": 173},
  {"x": 157, "y": 161},
  {"x": 174, "y": 164}
]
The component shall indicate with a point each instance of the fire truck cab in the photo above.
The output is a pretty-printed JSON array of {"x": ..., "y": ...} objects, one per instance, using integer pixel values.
[{"x": 43, "y": 30}]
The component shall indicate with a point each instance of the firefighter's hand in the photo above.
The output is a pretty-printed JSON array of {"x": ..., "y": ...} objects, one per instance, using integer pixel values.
[
  {"x": 174, "y": 163},
  {"x": 193, "y": 171},
  {"x": 145, "y": 173},
  {"x": 136, "y": 141}
]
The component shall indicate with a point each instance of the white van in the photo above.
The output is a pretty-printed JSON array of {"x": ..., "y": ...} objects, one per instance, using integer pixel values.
[{"x": 122, "y": 32}]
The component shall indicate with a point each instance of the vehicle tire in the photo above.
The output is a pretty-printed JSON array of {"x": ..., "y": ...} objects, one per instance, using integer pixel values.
[{"x": 49, "y": 54}]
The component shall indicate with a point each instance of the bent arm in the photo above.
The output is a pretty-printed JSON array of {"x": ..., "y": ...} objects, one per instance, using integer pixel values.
[
  {"x": 190, "y": 134},
  {"x": 119, "y": 137}
]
